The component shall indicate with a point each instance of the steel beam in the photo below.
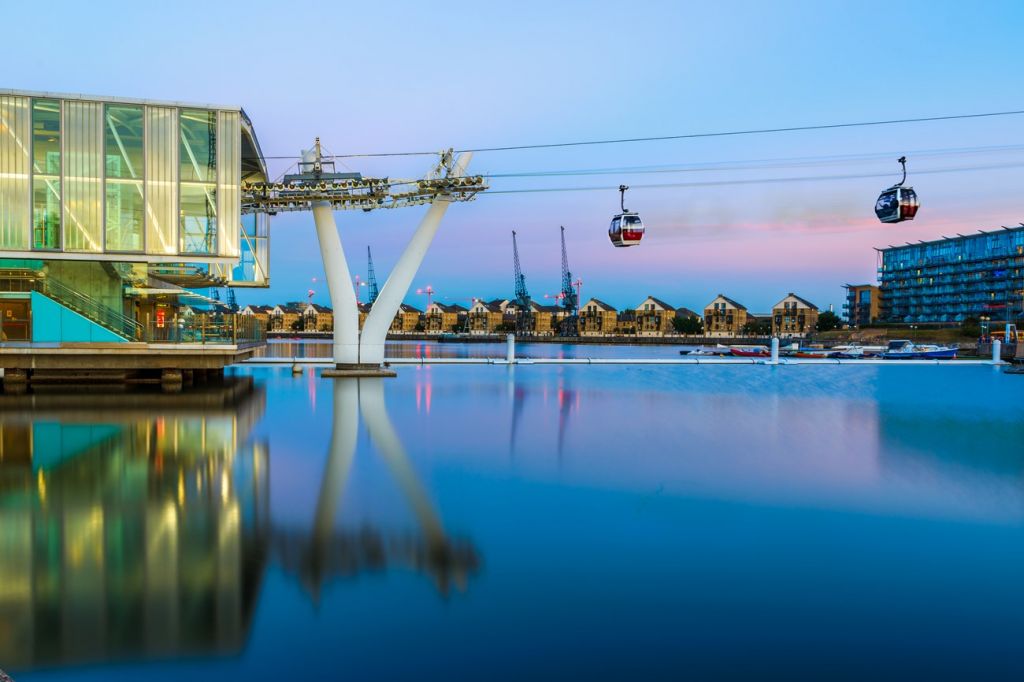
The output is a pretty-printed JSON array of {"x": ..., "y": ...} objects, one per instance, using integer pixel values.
[{"x": 375, "y": 329}]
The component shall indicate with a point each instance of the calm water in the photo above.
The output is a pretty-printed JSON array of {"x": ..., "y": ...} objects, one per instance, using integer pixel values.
[
  {"x": 489, "y": 522},
  {"x": 321, "y": 348}
]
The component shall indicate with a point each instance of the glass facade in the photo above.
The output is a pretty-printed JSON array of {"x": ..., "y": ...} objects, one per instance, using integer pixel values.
[
  {"x": 124, "y": 133},
  {"x": 129, "y": 181},
  {"x": 198, "y": 172},
  {"x": 229, "y": 171},
  {"x": 83, "y": 176},
  {"x": 46, "y": 174},
  {"x": 15, "y": 172},
  {"x": 161, "y": 193},
  {"x": 953, "y": 279}
]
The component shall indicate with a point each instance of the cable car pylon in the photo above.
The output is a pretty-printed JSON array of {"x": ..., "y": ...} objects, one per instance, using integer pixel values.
[
  {"x": 570, "y": 300},
  {"x": 524, "y": 312}
]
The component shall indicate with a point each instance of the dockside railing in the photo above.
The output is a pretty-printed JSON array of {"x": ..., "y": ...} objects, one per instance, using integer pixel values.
[{"x": 208, "y": 328}]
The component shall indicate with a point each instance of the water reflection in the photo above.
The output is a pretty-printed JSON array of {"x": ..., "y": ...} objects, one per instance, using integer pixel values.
[
  {"x": 328, "y": 551},
  {"x": 123, "y": 535}
]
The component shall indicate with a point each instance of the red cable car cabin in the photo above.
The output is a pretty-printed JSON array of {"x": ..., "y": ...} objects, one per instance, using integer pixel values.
[
  {"x": 898, "y": 203},
  {"x": 626, "y": 228}
]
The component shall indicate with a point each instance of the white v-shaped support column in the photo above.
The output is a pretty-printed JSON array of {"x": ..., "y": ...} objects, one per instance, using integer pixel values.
[
  {"x": 375, "y": 328},
  {"x": 352, "y": 349},
  {"x": 339, "y": 285}
]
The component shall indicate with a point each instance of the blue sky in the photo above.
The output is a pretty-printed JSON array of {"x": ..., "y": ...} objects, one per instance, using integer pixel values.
[{"x": 368, "y": 78}]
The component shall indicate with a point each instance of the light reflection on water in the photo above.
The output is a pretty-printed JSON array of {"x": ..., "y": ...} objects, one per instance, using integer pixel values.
[
  {"x": 321, "y": 348},
  {"x": 496, "y": 522}
]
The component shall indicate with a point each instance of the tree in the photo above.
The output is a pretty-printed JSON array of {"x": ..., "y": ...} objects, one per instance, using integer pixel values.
[
  {"x": 297, "y": 325},
  {"x": 758, "y": 328},
  {"x": 688, "y": 325},
  {"x": 970, "y": 327},
  {"x": 828, "y": 321}
]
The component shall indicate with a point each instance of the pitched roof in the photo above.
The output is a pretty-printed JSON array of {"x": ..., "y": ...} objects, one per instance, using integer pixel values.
[
  {"x": 406, "y": 308},
  {"x": 600, "y": 304},
  {"x": 448, "y": 307},
  {"x": 729, "y": 301},
  {"x": 801, "y": 300},
  {"x": 318, "y": 308},
  {"x": 686, "y": 312},
  {"x": 657, "y": 302}
]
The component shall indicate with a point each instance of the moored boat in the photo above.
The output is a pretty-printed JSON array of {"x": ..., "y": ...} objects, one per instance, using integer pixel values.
[
  {"x": 812, "y": 353},
  {"x": 855, "y": 351},
  {"x": 902, "y": 349},
  {"x": 750, "y": 351}
]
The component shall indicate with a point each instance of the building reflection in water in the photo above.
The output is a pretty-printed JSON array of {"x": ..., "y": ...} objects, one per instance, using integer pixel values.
[
  {"x": 334, "y": 551},
  {"x": 123, "y": 535}
]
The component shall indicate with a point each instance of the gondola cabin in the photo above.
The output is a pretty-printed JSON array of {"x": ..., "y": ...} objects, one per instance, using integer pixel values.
[
  {"x": 626, "y": 229},
  {"x": 897, "y": 204}
]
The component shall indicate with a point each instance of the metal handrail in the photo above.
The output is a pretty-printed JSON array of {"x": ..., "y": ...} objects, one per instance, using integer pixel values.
[{"x": 90, "y": 308}]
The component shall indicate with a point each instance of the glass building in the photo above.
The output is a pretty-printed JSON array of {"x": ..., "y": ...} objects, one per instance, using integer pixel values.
[
  {"x": 951, "y": 279},
  {"x": 121, "y": 206}
]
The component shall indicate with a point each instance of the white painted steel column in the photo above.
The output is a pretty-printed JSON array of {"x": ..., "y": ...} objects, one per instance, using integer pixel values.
[
  {"x": 510, "y": 348},
  {"x": 339, "y": 283},
  {"x": 997, "y": 351},
  {"x": 775, "y": 350},
  {"x": 375, "y": 328}
]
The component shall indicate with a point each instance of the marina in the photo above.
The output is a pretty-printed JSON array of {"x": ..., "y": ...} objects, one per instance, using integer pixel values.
[{"x": 472, "y": 502}]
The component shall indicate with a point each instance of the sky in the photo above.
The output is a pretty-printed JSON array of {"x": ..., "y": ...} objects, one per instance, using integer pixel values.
[{"x": 367, "y": 77}]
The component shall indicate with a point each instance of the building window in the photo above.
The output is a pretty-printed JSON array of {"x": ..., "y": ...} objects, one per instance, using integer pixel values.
[
  {"x": 123, "y": 153},
  {"x": 198, "y": 207},
  {"x": 45, "y": 174}
]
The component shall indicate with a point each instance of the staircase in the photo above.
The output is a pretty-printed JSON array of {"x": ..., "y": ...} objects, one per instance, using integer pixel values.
[
  {"x": 23, "y": 279},
  {"x": 89, "y": 308}
]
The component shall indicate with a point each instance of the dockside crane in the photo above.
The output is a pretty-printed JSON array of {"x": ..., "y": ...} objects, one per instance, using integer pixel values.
[
  {"x": 570, "y": 299},
  {"x": 371, "y": 277},
  {"x": 524, "y": 313}
]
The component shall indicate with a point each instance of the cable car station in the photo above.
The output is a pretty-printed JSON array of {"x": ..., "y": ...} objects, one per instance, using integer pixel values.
[{"x": 114, "y": 211}]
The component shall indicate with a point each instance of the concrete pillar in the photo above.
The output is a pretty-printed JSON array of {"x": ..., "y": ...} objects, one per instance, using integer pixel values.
[
  {"x": 510, "y": 348},
  {"x": 15, "y": 381},
  {"x": 171, "y": 380},
  {"x": 997, "y": 351},
  {"x": 775, "y": 350},
  {"x": 375, "y": 328}
]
